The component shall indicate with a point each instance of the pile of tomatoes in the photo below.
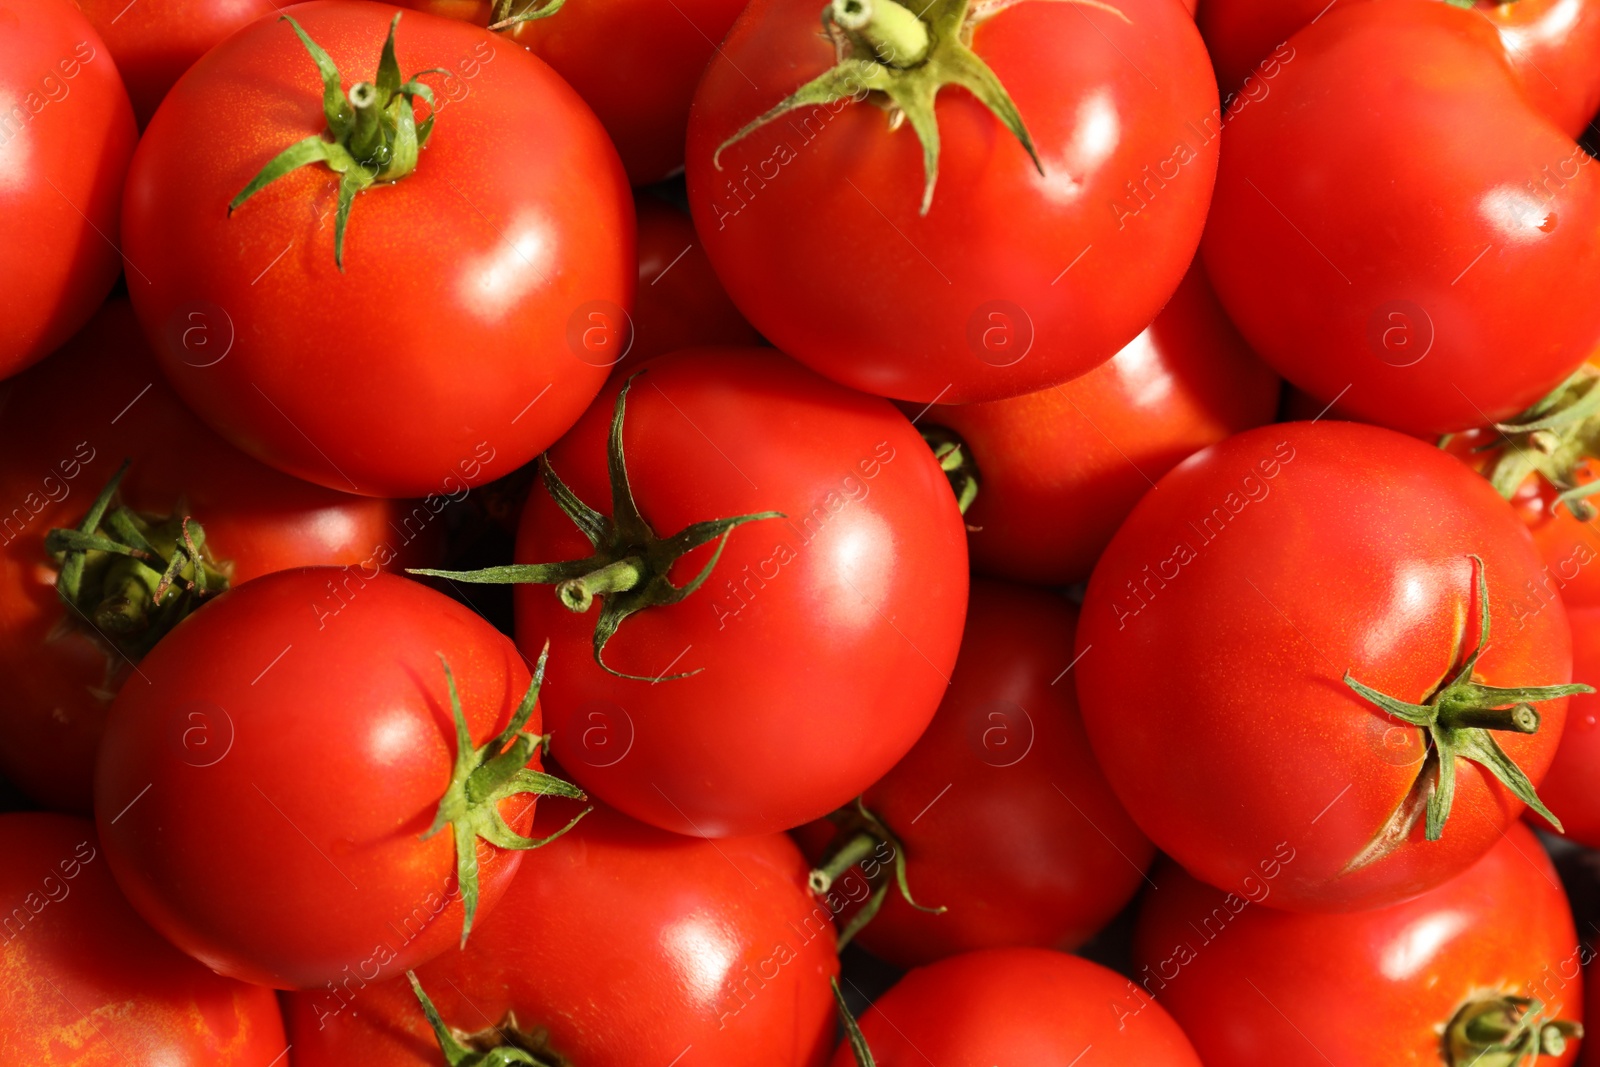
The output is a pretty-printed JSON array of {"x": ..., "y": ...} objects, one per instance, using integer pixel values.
[{"x": 622, "y": 533}]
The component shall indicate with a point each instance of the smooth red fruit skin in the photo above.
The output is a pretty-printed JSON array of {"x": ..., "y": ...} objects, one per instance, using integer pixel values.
[
  {"x": 85, "y": 983},
  {"x": 1253, "y": 986},
  {"x": 681, "y": 304},
  {"x": 635, "y": 62},
  {"x": 1006, "y": 819},
  {"x": 65, "y": 427},
  {"x": 1059, "y": 469},
  {"x": 626, "y": 945},
  {"x": 1218, "y": 627},
  {"x": 277, "y": 837},
  {"x": 1013, "y": 1005},
  {"x": 66, "y": 135},
  {"x": 1570, "y": 787},
  {"x": 153, "y": 44},
  {"x": 1013, "y": 281},
  {"x": 823, "y": 641},
  {"x": 1337, "y": 252},
  {"x": 1553, "y": 45},
  {"x": 451, "y": 345}
]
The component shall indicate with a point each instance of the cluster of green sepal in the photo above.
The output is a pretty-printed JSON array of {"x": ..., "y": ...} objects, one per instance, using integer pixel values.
[
  {"x": 955, "y": 459},
  {"x": 458, "y": 1055},
  {"x": 630, "y": 564},
  {"x": 1553, "y": 439},
  {"x": 375, "y": 136},
  {"x": 861, "y": 833},
  {"x": 505, "y": 15},
  {"x": 130, "y": 577},
  {"x": 1505, "y": 1031},
  {"x": 1458, "y": 719},
  {"x": 486, "y": 775}
]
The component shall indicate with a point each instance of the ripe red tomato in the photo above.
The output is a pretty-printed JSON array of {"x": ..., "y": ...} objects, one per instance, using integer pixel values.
[
  {"x": 1332, "y": 250},
  {"x": 635, "y": 62},
  {"x": 1569, "y": 787},
  {"x": 1260, "y": 579},
  {"x": 620, "y": 945},
  {"x": 1007, "y": 1006},
  {"x": 822, "y": 641},
  {"x": 1253, "y": 986},
  {"x": 268, "y": 780},
  {"x": 1008, "y": 280},
  {"x": 85, "y": 983},
  {"x": 153, "y": 44},
  {"x": 1553, "y": 45},
  {"x": 54, "y": 460},
  {"x": 680, "y": 304},
  {"x": 66, "y": 135},
  {"x": 1059, "y": 469},
  {"x": 452, "y": 344},
  {"x": 1006, "y": 822}
]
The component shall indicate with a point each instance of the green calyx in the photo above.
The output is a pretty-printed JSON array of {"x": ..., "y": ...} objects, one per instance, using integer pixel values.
[
  {"x": 955, "y": 459},
  {"x": 1505, "y": 1031},
  {"x": 862, "y": 834},
  {"x": 1553, "y": 439},
  {"x": 901, "y": 59},
  {"x": 852, "y": 1032},
  {"x": 485, "y": 776},
  {"x": 372, "y": 135},
  {"x": 508, "y": 15},
  {"x": 628, "y": 570},
  {"x": 487, "y": 1050},
  {"x": 1459, "y": 719},
  {"x": 133, "y": 577}
]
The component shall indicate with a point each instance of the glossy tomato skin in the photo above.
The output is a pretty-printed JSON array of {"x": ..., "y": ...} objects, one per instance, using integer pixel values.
[
  {"x": 1569, "y": 787},
  {"x": 636, "y": 63},
  {"x": 67, "y": 136},
  {"x": 681, "y": 304},
  {"x": 85, "y": 983},
  {"x": 1007, "y": 1006},
  {"x": 1553, "y": 45},
  {"x": 1006, "y": 819},
  {"x": 1059, "y": 469},
  {"x": 1013, "y": 281},
  {"x": 153, "y": 44},
  {"x": 823, "y": 641},
  {"x": 1253, "y": 986},
  {"x": 54, "y": 459},
  {"x": 1331, "y": 249},
  {"x": 467, "y": 284},
  {"x": 264, "y": 781},
  {"x": 627, "y": 945},
  {"x": 1250, "y": 580}
]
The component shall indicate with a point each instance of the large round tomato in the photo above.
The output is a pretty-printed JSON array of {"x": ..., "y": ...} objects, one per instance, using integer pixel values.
[
  {"x": 636, "y": 62},
  {"x": 1011, "y": 278},
  {"x": 1281, "y": 654},
  {"x": 681, "y": 303},
  {"x": 1553, "y": 45},
  {"x": 1007, "y": 824},
  {"x": 1059, "y": 469},
  {"x": 54, "y": 460},
  {"x": 85, "y": 983},
  {"x": 66, "y": 135},
  {"x": 269, "y": 777},
  {"x": 620, "y": 945},
  {"x": 455, "y": 340},
  {"x": 1253, "y": 986},
  {"x": 820, "y": 644},
  {"x": 1015, "y": 1005},
  {"x": 1570, "y": 786},
  {"x": 153, "y": 44},
  {"x": 1335, "y": 250}
]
